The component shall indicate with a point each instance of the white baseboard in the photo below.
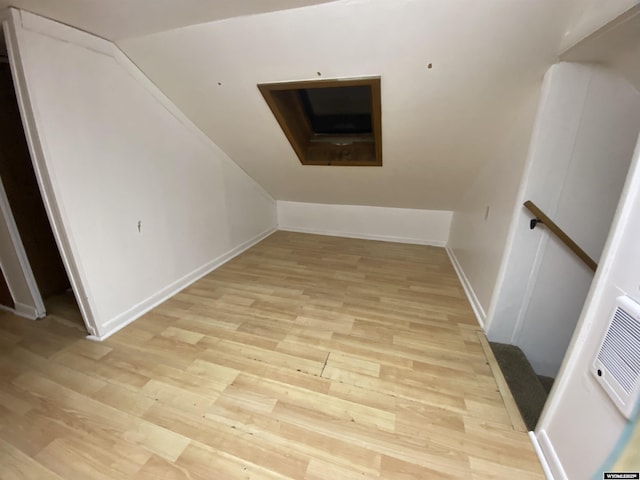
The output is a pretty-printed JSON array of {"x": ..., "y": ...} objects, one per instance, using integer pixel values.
[
  {"x": 551, "y": 458},
  {"x": 4, "y": 308},
  {"x": 481, "y": 316},
  {"x": 127, "y": 317},
  {"x": 364, "y": 236},
  {"x": 543, "y": 460},
  {"x": 26, "y": 311}
]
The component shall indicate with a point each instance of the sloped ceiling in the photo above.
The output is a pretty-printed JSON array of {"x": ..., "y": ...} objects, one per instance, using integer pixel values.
[
  {"x": 118, "y": 19},
  {"x": 439, "y": 125},
  {"x": 616, "y": 46},
  {"x": 588, "y": 16}
]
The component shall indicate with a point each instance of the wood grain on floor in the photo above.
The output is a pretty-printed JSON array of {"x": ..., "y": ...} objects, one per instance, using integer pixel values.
[{"x": 306, "y": 357}]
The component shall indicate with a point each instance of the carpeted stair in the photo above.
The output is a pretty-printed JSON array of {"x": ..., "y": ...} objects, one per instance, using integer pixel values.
[{"x": 529, "y": 390}]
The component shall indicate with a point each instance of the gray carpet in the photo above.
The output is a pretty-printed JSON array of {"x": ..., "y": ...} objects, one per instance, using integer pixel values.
[
  {"x": 547, "y": 383},
  {"x": 529, "y": 391}
]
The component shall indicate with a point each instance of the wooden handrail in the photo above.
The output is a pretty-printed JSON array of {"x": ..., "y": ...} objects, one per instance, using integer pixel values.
[{"x": 540, "y": 217}]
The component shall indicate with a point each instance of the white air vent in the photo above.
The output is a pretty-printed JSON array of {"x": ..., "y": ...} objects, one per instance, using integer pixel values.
[{"x": 617, "y": 365}]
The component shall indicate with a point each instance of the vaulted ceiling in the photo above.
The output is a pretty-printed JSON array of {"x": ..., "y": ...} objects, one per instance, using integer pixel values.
[
  {"x": 440, "y": 124},
  {"x": 118, "y": 19},
  {"x": 616, "y": 46}
]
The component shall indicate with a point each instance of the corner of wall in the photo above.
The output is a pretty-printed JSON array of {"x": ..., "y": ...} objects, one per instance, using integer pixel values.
[
  {"x": 551, "y": 464},
  {"x": 550, "y": 457},
  {"x": 476, "y": 306}
]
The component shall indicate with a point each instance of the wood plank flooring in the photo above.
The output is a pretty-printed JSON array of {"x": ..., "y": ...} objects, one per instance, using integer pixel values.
[{"x": 306, "y": 357}]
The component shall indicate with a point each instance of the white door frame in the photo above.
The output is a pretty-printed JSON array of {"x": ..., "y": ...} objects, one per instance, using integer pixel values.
[
  {"x": 21, "y": 308},
  {"x": 10, "y": 18},
  {"x": 35, "y": 308}
]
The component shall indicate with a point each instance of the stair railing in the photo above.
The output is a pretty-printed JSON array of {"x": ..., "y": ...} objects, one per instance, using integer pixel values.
[{"x": 541, "y": 218}]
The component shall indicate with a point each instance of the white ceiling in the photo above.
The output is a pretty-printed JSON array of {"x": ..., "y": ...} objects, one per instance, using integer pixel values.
[
  {"x": 616, "y": 46},
  {"x": 119, "y": 19},
  {"x": 588, "y": 16},
  {"x": 440, "y": 125}
]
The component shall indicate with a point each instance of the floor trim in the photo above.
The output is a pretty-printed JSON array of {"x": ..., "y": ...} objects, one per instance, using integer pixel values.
[
  {"x": 124, "y": 319},
  {"x": 543, "y": 460},
  {"x": 481, "y": 316},
  {"x": 27, "y": 311},
  {"x": 362, "y": 236},
  {"x": 507, "y": 398},
  {"x": 550, "y": 456}
]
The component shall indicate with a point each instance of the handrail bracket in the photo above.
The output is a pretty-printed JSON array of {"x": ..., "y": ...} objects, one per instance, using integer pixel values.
[{"x": 534, "y": 222}]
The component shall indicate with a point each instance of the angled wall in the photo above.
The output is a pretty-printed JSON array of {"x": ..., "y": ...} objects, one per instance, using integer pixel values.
[{"x": 142, "y": 203}]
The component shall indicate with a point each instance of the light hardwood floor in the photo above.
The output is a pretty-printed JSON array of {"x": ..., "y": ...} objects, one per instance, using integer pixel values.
[{"x": 307, "y": 357}]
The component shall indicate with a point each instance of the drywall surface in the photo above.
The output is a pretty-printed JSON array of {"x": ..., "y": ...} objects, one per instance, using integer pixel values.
[
  {"x": 590, "y": 16},
  {"x": 617, "y": 46},
  {"x": 146, "y": 202},
  {"x": 405, "y": 225},
  {"x": 552, "y": 139},
  {"x": 586, "y": 128},
  {"x": 481, "y": 221},
  {"x": 117, "y": 19},
  {"x": 440, "y": 125},
  {"x": 581, "y": 426}
]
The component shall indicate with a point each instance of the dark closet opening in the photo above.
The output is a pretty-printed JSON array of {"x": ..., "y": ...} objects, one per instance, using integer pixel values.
[{"x": 21, "y": 187}]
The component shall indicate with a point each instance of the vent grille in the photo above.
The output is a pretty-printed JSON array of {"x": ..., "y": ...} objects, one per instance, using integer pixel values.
[
  {"x": 617, "y": 365},
  {"x": 617, "y": 351}
]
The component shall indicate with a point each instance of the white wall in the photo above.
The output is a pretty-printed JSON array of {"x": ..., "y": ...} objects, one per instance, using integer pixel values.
[
  {"x": 580, "y": 425},
  {"x": 579, "y": 157},
  {"x": 601, "y": 153},
  {"x": 559, "y": 104},
  {"x": 481, "y": 220},
  {"x": 425, "y": 227},
  {"x": 142, "y": 202}
]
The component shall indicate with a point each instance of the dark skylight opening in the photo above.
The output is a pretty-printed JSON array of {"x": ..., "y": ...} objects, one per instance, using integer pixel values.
[
  {"x": 338, "y": 110},
  {"x": 330, "y": 122}
]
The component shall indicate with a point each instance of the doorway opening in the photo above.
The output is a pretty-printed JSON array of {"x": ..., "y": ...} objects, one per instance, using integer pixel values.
[
  {"x": 23, "y": 203},
  {"x": 586, "y": 131}
]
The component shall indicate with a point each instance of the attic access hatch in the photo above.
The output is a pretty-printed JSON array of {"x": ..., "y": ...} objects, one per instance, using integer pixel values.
[{"x": 330, "y": 122}]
